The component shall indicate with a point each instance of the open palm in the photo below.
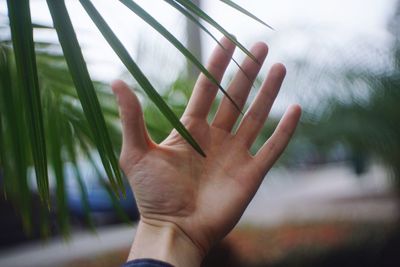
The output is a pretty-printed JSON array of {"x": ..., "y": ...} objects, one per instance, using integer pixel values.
[{"x": 204, "y": 197}]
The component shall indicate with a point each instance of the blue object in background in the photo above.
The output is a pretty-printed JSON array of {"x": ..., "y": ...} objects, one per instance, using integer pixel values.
[{"x": 100, "y": 204}]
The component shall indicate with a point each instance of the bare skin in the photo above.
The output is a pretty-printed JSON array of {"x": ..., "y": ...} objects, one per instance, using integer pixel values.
[{"x": 188, "y": 202}]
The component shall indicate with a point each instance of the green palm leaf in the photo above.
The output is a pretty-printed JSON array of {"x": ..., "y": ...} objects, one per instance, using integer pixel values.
[
  {"x": 55, "y": 133},
  {"x": 138, "y": 74},
  {"x": 200, "y": 13},
  {"x": 22, "y": 38},
  {"x": 14, "y": 141},
  {"x": 244, "y": 11},
  {"x": 85, "y": 90},
  {"x": 72, "y": 153},
  {"x": 201, "y": 26}
]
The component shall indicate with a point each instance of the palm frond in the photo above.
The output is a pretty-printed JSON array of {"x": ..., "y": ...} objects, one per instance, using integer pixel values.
[
  {"x": 25, "y": 59},
  {"x": 244, "y": 11},
  {"x": 14, "y": 141},
  {"x": 190, "y": 16},
  {"x": 204, "y": 16},
  {"x": 86, "y": 91},
  {"x": 56, "y": 134}
]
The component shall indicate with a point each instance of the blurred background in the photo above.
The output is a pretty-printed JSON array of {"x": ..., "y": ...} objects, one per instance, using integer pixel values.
[{"x": 333, "y": 199}]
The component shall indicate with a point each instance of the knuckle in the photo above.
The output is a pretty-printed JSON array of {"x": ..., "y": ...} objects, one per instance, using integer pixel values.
[
  {"x": 207, "y": 84},
  {"x": 239, "y": 97},
  {"x": 256, "y": 118},
  {"x": 124, "y": 163},
  {"x": 216, "y": 66},
  {"x": 129, "y": 159}
]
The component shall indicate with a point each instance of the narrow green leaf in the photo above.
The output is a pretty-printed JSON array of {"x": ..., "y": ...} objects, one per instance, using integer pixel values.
[
  {"x": 44, "y": 222},
  {"x": 55, "y": 134},
  {"x": 116, "y": 205},
  {"x": 132, "y": 67},
  {"x": 84, "y": 197},
  {"x": 22, "y": 37},
  {"x": 201, "y": 14},
  {"x": 85, "y": 90},
  {"x": 41, "y": 26},
  {"x": 164, "y": 32},
  {"x": 4, "y": 170},
  {"x": 201, "y": 26},
  {"x": 244, "y": 11},
  {"x": 15, "y": 146},
  {"x": 71, "y": 149},
  {"x": 114, "y": 201}
]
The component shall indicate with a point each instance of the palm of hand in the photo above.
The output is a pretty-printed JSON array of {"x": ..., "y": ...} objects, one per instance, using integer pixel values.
[
  {"x": 204, "y": 197},
  {"x": 174, "y": 183}
]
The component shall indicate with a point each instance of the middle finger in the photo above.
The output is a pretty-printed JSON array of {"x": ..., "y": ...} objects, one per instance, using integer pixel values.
[{"x": 239, "y": 88}]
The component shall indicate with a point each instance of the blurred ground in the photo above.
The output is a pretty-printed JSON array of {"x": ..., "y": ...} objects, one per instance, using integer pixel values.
[
  {"x": 319, "y": 244},
  {"x": 295, "y": 212},
  {"x": 82, "y": 246},
  {"x": 328, "y": 192}
]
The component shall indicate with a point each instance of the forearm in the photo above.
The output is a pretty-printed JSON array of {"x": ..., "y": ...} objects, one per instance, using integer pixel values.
[{"x": 164, "y": 242}]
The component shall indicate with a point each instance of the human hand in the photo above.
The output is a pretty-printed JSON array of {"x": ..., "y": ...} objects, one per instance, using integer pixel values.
[{"x": 188, "y": 202}]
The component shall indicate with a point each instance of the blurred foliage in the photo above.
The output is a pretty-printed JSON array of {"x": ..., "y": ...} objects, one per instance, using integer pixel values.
[
  {"x": 367, "y": 126},
  {"x": 177, "y": 95},
  {"x": 67, "y": 133}
]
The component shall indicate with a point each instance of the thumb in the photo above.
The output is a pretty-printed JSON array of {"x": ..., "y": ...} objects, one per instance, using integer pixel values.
[{"x": 134, "y": 134}]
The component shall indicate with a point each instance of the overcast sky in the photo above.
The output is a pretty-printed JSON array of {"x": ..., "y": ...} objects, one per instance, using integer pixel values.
[{"x": 305, "y": 27}]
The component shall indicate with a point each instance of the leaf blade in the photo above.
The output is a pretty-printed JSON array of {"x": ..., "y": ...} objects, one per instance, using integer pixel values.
[
  {"x": 14, "y": 142},
  {"x": 200, "y": 13},
  {"x": 22, "y": 39},
  {"x": 85, "y": 90},
  {"x": 201, "y": 26},
  {"x": 246, "y": 12},
  {"x": 55, "y": 132}
]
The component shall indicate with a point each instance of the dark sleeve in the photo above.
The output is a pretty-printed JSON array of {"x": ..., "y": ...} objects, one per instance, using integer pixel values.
[{"x": 146, "y": 263}]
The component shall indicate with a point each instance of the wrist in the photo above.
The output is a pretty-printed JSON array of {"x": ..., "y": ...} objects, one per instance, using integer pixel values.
[{"x": 166, "y": 242}]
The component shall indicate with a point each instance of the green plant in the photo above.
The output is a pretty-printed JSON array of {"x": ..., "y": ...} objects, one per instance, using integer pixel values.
[
  {"x": 367, "y": 125},
  {"x": 40, "y": 119},
  {"x": 366, "y": 128}
]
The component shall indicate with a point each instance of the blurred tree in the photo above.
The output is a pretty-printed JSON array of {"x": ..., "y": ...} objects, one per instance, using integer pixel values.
[
  {"x": 194, "y": 44},
  {"x": 394, "y": 28},
  {"x": 371, "y": 127}
]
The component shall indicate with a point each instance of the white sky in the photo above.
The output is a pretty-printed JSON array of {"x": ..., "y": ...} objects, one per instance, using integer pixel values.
[{"x": 305, "y": 27}]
